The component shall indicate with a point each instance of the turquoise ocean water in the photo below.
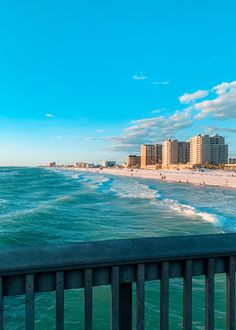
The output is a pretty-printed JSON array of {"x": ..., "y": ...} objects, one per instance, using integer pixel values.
[{"x": 40, "y": 206}]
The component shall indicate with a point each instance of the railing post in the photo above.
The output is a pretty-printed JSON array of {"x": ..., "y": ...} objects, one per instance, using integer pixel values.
[
  {"x": 230, "y": 294},
  {"x": 140, "y": 297},
  {"x": 88, "y": 299},
  {"x": 115, "y": 297},
  {"x": 209, "y": 292},
  {"x": 29, "y": 302},
  {"x": 125, "y": 306},
  {"x": 164, "y": 297},
  {"x": 1, "y": 303},
  {"x": 187, "y": 296},
  {"x": 60, "y": 300}
]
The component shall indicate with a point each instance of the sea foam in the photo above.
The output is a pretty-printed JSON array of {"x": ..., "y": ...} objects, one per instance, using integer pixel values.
[
  {"x": 190, "y": 211},
  {"x": 133, "y": 189}
]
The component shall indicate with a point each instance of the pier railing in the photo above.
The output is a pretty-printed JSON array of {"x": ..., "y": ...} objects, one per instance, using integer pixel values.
[{"x": 118, "y": 264}]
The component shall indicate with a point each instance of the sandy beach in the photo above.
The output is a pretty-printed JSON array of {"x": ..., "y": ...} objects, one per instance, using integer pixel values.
[{"x": 205, "y": 178}]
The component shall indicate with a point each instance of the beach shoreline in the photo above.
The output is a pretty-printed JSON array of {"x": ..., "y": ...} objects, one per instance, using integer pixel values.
[{"x": 218, "y": 178}]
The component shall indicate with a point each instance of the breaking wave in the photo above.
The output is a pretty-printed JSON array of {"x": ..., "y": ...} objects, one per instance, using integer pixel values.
[
  {"x": 133, "y": 189},
  {"x": 190, "y": 211}
]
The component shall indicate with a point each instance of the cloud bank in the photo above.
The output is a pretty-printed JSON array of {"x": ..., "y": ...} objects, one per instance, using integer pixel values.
[
  {"x": 191, "y": 97},
  {"x": 220, "y": 105}
]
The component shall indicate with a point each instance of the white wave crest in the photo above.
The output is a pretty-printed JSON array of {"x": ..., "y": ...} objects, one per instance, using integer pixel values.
[
  {"x": 133, "y": 189},
  {"x": 94, "y": 181},
  {"x": 190, "y": 211}
]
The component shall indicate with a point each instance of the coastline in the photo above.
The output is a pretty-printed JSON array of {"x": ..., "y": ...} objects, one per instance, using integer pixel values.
[{"x": 207, "y": 178}]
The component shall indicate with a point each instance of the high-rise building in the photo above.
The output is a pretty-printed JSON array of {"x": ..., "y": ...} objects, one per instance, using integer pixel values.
[
  {"x": 158, "y": 153},
  {"x": 200, "y": 150},
  {"x": 183, "y": 152},
  {"x": 208, "y": 149},
  {"x": 219, "y": 150},
  {"x": 148, "y": 155},
  {"x": 151, "y": 155},
  {"x": 133, "y": 161},
  {"x": 175, "y": 152},
  {"x": 170, "y": 153}
]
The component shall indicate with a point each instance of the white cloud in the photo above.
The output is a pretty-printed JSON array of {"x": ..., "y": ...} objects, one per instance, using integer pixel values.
[
  {"x": 191, "y": 97},
  {"x": 222, "y": 106},
  {"x": 230, "y": 130},
  {"x": 150, "y": 130},
  {"x": 157, "y": 110},
  {"x": 140, "y": 76},
  {"x": 224, "y": 87},
  {"x": 181, "y": 115},
  {"x": 49, "y": 115},
  {"x": 99, "y": 130},
  {"x": 160, "y": 82}
]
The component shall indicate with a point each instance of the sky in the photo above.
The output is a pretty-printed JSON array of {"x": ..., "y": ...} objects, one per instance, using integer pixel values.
[{"x": 93, "y": 80}]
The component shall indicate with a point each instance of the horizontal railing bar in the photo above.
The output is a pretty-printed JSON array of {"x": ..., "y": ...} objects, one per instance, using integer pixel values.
[
  {"x": 101, "y": 253},
  {"x": 45, "y": 282}
]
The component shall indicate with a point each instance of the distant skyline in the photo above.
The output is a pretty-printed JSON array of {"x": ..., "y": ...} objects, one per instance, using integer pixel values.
[{"x": 87, "y": 81}]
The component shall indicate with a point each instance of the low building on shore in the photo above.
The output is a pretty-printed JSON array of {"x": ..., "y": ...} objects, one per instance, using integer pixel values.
[
  {"x": 133, "y": 161},
  {"x": 232, "y": 161},
  {"x": 85, "y": 165},
  {"x": 52, "y": 164},
  {"x": 108, "y": 163}
]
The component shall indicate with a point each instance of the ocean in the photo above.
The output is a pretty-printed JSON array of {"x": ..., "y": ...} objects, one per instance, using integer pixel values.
[{"x": 41, "y": 206}]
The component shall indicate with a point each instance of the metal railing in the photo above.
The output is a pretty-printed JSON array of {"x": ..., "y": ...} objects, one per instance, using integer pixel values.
[{"x": 119, "y": 264}]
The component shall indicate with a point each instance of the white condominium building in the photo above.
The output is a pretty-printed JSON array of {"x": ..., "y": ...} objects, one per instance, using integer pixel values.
[
  {"x": 170, "y": 152},
  {"x": 208, "y": 149}
]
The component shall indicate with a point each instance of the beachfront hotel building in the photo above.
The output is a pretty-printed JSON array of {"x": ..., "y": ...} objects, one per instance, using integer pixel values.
[
  {"x": 183, "y": 152},
  {"x": 175, "y": 152},
  {"x": 205, "y": 149},
  {"x": 170, "y": 152},
  {"x": 151, "y": 155},
  {"x": 133, "y": 161}
]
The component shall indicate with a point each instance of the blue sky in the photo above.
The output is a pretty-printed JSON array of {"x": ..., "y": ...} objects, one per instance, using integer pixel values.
[{"x": 92, "y": 80}]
